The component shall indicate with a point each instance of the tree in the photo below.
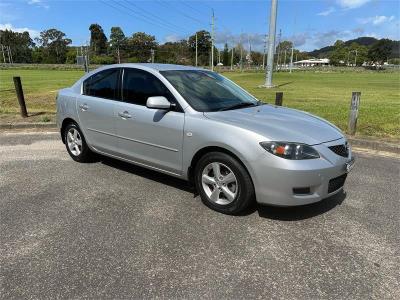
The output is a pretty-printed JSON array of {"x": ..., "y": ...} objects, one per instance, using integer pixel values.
[
  {"x": 20, "y": 45},
  {"x": 225, "y": 56},
  {"x": 299, "y": 55},
  {"x": 282, "y": 47},
  {"x": 380, "y": 51},
  {"x": 98, "y": 40},
  {"x": 140, "y": 45},
  {"x": 174, "y": 53},
  {"x": 239, "y": 49},
  {"x": 257, "y": 58},
  {"x": 203, "y": 46},
  {"x": 338, "y": 56},
  {"x": 357, "y": 54},
  {"x": 117, "y": 41},
  {"x": 71, "y": 55},
  {"x": 53, "y": 45}
]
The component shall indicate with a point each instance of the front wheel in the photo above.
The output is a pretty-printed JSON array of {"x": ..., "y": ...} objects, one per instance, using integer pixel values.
[{"x": 223, "y": 183}]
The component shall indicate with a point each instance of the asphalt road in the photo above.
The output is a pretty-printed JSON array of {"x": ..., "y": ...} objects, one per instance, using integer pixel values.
[{"x": 113, "y": 230}]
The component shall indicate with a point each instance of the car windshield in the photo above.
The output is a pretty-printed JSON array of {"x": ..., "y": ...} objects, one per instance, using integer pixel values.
[{"x": 208, "y": 91}]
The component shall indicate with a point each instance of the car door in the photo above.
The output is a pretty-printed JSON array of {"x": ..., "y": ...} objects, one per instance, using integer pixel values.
[
  {"x": 95, "y": 107},
  {"x": 152, "y": 137}
]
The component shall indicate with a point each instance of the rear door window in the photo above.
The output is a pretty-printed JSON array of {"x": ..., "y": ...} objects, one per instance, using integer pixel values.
[{"x": 103, "y": 84}]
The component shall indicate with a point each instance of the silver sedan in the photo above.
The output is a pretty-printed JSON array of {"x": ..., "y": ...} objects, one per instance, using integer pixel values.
[{"x": 197, "y": 125}]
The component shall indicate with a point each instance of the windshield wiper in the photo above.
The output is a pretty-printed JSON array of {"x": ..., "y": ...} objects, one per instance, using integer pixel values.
[{"x": 238, "y": 105}]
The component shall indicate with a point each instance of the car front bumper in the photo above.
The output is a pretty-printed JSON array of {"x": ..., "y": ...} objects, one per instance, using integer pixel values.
[{"x": 282, "y": 182}]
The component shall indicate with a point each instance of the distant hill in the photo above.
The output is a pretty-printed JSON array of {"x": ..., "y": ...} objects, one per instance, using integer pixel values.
[
  {"x": 323, "y": 52},
  {"x": 363, "y": 41}
]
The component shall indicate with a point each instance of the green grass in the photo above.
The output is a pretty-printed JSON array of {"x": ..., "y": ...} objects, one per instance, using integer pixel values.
[
  {"x": 328, "y": 95},
  {"x": 324, "y": 94}
]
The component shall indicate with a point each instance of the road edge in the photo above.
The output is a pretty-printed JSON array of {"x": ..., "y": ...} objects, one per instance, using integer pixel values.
[
  {"x": 28, "y": 125},
  {"x": 354, "y": 141},
  {"x": 374, "y": 145}
]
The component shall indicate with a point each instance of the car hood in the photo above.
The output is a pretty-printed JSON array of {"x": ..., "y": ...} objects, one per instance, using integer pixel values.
[{"x": 280, "y": 124}]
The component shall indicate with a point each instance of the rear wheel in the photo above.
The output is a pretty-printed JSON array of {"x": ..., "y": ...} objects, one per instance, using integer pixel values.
[
  {"x": 223, "y": 183},
  {"x": 76, "y": 144}
]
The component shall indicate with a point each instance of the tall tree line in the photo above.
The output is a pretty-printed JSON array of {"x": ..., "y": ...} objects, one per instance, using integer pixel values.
[{"x": 53, "y": 46}]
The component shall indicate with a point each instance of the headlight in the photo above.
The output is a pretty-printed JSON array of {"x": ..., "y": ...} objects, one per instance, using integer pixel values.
[{"x": 290, "y": 150}]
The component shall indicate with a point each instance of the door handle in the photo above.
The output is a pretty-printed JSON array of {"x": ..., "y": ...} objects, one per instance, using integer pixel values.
[
  {"x": 83, "y": 107},
  {"x": 124, "y": 115}
]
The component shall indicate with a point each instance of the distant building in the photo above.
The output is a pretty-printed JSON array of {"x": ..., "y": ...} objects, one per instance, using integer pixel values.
[{"x": 312, "y": 62}]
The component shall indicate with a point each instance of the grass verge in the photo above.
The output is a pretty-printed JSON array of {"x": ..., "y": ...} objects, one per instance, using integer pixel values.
[{"x": 326, "y": 94}]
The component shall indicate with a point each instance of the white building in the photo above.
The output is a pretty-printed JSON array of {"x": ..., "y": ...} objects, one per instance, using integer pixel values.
[{"x": 312, "y": 62}]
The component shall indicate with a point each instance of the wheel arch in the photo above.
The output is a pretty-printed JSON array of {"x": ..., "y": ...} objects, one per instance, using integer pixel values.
[
  {"x": 64, "y": 124},
  {"x": 203, "y": 151}
]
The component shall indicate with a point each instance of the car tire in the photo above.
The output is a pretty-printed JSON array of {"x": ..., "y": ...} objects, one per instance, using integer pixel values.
[
  {"x": 76, "y": 144},
  {"x": 223, "y": 183}
]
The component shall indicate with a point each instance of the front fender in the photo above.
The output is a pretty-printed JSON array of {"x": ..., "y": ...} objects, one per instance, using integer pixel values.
[{"x": 201, "y": 132}]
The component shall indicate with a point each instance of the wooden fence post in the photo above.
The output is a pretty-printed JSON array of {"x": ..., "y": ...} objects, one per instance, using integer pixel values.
[
  {"x": 353, "y": 116},
  {"x": 20, "y": 96},
  {"x": 279, "y": 98}
]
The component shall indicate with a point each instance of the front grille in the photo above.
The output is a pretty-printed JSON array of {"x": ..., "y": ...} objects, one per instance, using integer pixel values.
[
  {"x": 341, "y": 150},
  {"x": 336, "y": 183}
]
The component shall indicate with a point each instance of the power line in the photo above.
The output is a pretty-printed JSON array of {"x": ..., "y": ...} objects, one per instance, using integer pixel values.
[
  {"x": 123, "y": 9},
  {"x": 192, "y": 8},
  {"x": 157, "y": 23},
  {"x": 168, "y": 5},
  {"x": 158, "y": 18}
]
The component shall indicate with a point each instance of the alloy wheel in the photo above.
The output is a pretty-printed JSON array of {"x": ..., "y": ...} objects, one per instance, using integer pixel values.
[
  {"x": 219, "y": 183},
  {"x": 74, "y": 141}
]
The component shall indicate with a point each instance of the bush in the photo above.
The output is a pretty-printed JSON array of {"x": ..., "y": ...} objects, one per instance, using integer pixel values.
[
  {"x": 394, "y": 61},
  {"x": 133, "y": 60},
  {"x": 101, "y": 60}
]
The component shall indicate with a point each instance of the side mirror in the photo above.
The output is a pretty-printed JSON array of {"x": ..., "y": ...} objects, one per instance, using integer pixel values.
[{"x": 158, "y": 102}]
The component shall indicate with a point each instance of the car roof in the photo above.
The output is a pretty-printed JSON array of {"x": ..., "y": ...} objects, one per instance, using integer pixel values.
[{"x": 156, "y": 67}]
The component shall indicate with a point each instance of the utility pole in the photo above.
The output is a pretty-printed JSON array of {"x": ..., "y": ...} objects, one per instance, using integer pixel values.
[
  {"x": 233, "y": 48},
  {"x": 291, "y": 60},
  {"x": 119, "y": 58},
  {"x": 241, "y": 54},
  {"x": 278, "y": 59},
  {"x": 265, "y": 49},
  {"x": 212, "y": 41},
  {"x": 271, "y": 44},
  {"x": 355, "y": 59},
  {"x": 87, "y": 56},
  {"x": 152, "y": 56},
  {"x": 2, "y": 50},
  {"x": 248, "y": 37},
  {"x": 284, "y": 61},
  {"x": 196, "y": 49},
  {"x": 9, "y": 54}
]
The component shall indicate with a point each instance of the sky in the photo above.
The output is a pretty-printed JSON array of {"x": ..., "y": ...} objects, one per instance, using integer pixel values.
[{"x": 310, "y": 24}]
